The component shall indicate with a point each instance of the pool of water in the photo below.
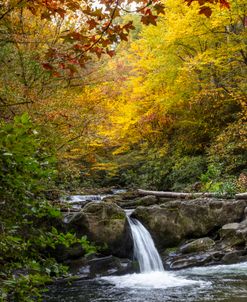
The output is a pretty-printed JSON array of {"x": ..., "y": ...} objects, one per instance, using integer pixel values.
[{"x": 226, "y": 283}]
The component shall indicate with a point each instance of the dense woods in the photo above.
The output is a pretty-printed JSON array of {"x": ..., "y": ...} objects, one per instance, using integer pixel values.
[{"x": 135, "y": 94}]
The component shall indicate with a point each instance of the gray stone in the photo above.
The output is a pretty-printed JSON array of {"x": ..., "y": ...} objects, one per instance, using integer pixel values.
[
  {"x": 175, "y": 221},
  {"x": 101, "y": 266},
  {"x": 106, "y": 225},
  {"x": 198, "y": 245}
]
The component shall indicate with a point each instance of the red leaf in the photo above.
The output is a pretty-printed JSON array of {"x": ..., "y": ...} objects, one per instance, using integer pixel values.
[
  {"x": 205, "y": 10},
  {"x": 47, "y": 66},
  {"x": 150, "y": 19},
  {"x": 56, "y": 74},
  {"x": 225, "y": 4},
  {"x": 92, "y": 23},
  {"x": 160, "y": 8},
  {"x": 111, "y": 53},
  {"x": 123, "y": 36}
]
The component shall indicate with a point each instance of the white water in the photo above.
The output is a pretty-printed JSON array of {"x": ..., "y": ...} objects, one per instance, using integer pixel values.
[
  {"x": 144, "y": 249},
  {"x": 81, "y": 198},
  {"x": 153, "y": 275},
  {"x": 77, "y": 201},
  {"x": 153, "y": 280}
]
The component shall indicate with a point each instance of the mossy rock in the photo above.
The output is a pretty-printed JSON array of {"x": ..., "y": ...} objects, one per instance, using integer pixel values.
[{"x": 198, "y": 245}]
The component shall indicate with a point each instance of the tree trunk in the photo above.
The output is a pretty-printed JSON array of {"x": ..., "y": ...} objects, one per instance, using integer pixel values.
[
  {"x": 241, "y": 196},
  {"x": 180, "y": 194}
]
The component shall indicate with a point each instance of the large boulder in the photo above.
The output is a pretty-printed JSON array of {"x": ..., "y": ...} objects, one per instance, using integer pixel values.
[
  {"x": 175, "y": 221},
  {"x": 106, "y": 225}
]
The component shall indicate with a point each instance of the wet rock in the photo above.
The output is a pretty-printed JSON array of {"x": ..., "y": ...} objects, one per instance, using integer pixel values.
[
  {"x": 199, "y": 245},
  {"x": 245, "y": 212},
  {"x": 101, "y": 266},
  {"x": 113, "y": 199},
  {"x": 177, "y": 260},
  {"x": 141, "y": 201},
  {"x": 234, "y": 234},
  {"x": 129, "y": 195},
  {"x": 147, "y": 200},
  {"x": 175, "y": 221},
  {"x": 181, "y": 262},
  {"x": 106, "y": 225},
  {"x": 234, "y": 257}
]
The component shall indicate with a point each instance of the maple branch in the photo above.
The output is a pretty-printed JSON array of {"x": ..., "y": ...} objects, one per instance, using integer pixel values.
[
  {"x": 104, "y": 30},
  {"x": 136, "y": 10}
]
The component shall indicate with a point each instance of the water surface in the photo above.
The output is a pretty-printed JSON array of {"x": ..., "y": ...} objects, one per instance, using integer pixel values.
[{"x": 225, "y": 283}]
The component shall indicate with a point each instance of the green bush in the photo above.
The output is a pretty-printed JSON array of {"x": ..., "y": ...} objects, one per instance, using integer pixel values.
[
  {"x": 27, "y": 165},
  {"x": 28, "y": 170},
  {"x": 186, "y": 171}
]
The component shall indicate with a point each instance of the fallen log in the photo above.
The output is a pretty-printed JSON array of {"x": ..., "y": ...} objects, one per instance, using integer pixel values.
[
  {"x": 241, "y": 196},
  {"x": 181, "y": 194}
]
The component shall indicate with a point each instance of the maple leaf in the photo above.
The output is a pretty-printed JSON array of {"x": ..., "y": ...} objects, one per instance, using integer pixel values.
[
  {"x": 123, "y": 36},
  {"x": 205, "y": 10},
  {"x": 160, "y": 8},
  {"x": 149, "y": 19},
  {"x": 111, "y": 53},
  {"x": 92, "y": 23},
  {"x": 225, "y": 4},
  {"x": 47, "y": 66}
]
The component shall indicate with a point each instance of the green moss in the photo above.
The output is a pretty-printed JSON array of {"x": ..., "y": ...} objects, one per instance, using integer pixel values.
[
  {"x": 118, "y": 216},
  {"x": 171, "y": 250}
]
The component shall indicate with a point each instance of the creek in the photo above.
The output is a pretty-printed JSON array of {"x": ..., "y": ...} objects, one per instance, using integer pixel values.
[{"x": 225, "y": 283}]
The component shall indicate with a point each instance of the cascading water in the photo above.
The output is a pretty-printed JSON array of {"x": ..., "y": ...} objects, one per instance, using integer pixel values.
[
  {"x": 152, "y": 273},
  {"x": 144, "y": 249}
]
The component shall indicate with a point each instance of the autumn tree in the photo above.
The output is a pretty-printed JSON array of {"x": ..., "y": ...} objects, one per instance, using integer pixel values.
[{"x": 183, "y": 85}]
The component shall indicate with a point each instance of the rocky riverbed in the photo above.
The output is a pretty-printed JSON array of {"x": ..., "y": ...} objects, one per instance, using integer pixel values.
[{"x": 187, "y": 233}]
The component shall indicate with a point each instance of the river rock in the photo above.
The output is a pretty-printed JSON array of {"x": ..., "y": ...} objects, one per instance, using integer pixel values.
[
  {"x": 109, "y": 266},
  {"x": 96, "y": 266},
  {"x": 235, "y": 257},
  {"x": 175, "y": 221},
  {"x": 141, "y": 201},
  {"x": 105, "y": 224},
  {"x": 198, "y": 245},
  {"x": 234, "y": 234},
  {"x": 176, "y": 260},
  {"x": 62, "y": 253}
]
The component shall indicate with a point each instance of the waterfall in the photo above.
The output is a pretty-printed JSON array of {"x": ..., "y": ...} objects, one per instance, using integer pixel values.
[
  {"x": 152, "y": 271},
  {"x": 144, "y": 249}
]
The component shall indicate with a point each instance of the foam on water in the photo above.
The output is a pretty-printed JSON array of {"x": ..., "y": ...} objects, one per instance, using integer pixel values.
[
  {"x": 151, "y": 280},
  {"x": 153, "y": 275},
  {"x": 238, "y": 268}
]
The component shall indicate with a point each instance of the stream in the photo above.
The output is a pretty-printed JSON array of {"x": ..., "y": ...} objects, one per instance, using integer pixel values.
[{"x": 226, "y": 283}]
